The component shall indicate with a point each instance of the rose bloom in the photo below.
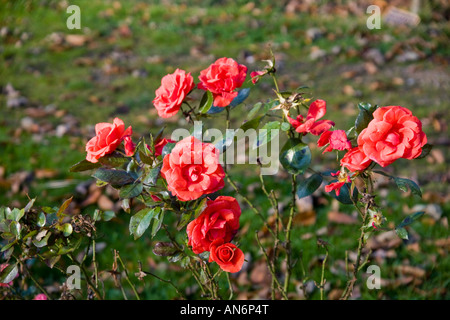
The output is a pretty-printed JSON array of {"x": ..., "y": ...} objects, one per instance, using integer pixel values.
[
  {"x": 311, "y": 124},
  {"x": 256, "y": 75},
  {"x": 336, "y": 139},
  {"x": 355, "y": 160},
  {"x": 107, "y": 139},
  {"x": 229, "y": 257},
  {"x": 129, "y": 146},
  {"x": 394, "y": 133},
  {"x": 192, "y": 169},
  {"x": 219, "y": 220},
  {"x": 172, "y": 92},
  {"x": 222, "y": 78}
]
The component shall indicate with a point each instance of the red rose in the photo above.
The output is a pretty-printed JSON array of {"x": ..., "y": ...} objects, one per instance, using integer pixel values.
[
  {"x": 219, "y": 220},
  {"x": 355, "y": 160},
  {"x": 129, "y": 146},
  {"x": 336, "y": 139},
  {"x": 192, "y": 169},
  {"x": 170, "y": 95},
  {"x": 316, "y": 110},
  {"x": 394, "y": 133},
  {"x": 107, "y": 139},
  {"x": 222, "y": 78},
  {"x": 229, "y": 257}
]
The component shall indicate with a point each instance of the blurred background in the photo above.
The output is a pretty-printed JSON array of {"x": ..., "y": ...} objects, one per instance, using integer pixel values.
[{"x": 57, "y": 83}]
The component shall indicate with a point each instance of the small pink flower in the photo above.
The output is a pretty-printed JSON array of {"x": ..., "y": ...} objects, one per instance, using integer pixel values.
[
  {"x": 255, "y": 75},
  {"x": 40, "y": 296},
  {"x": 343, "y": 178},
  {"x": 336, "y": 140},
  {"x": 312, "y": 125}
]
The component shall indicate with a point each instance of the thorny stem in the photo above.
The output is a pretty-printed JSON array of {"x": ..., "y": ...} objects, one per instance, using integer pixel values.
[
  {"x": 288, "y": 235},
  {"x": 229, "y": 285},
  {"x": 88, "y": 279},
  {"x": 162, "y": 280},
  {"x": 322, "y": 278},
  {"x": 350, "y": 283},
  {"x": 127, "y": 277},
  {"x": 271, "y": 268}
]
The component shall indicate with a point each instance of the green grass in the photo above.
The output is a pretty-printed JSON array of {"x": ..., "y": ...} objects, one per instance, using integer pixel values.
[{"x": 80, "y": 82}]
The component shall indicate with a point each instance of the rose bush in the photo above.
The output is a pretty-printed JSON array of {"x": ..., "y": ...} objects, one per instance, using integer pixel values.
[{"x": 185, "y": 179}]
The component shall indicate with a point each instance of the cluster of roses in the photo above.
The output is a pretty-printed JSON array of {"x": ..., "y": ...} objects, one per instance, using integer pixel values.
[
  {"x": 192, "y": 168},
  {"x": 393, "y": 133}
]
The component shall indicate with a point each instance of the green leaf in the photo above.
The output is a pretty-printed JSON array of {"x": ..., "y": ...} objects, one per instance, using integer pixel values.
[
  {"x": 9, "y": 273},
  {"x": 410, "y": 219},
  {"x": 41, "y": 219},
  {"x": 15, "y": 229},
  {"x": 167, "y": 149},
  {"x": 402, "y": 233},
  {"x": 307, "y": 187},
  {"x": 206, "y": 102},
  {"x": 184, "y": 220},
  {"x": 131, "y": 190},
  {"x": 29, "y": 205},
  {"x": 426, "y": 149},
  {"x": 152, "y": 176},
  {"x": 114, "y": 177},
  {"x": 254, "y": 110},
  {"x": 405, "y": 184},
  {"x": 84, "y": 165},
  {"x": 200, "y": 207},
  {"x": 140, "y": 222},
  {"x": 242, "y": 95},
  {"x": 285, "y": 126},
  {"x": 157, "y": 221},
  {"x": 66, "y": 229},
  {"x": 251, "y": 124},
  {"x": 364, "y": 117},
  {"x": 295, "y": 156},
  {"x": 64, "y": 206},
  {"x": 114, "y": 160},
  {"x": 269, "y": 131},
  {"x": 14, "y": 214},
  {"x": 41, "y": 240},
  {"x": 362, "y": 120}
]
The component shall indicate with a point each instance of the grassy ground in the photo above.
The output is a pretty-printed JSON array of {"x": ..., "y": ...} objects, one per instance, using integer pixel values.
[{"x": 65, "y": 81}]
